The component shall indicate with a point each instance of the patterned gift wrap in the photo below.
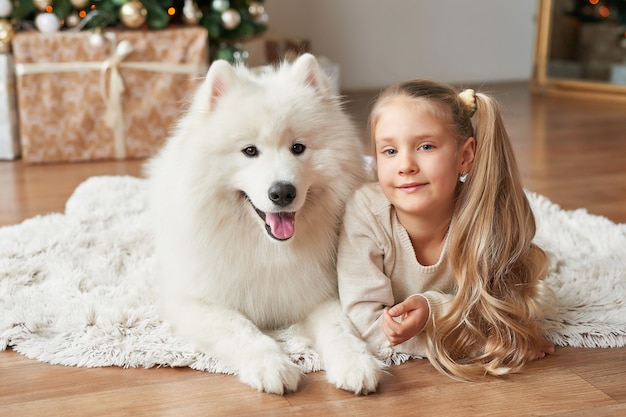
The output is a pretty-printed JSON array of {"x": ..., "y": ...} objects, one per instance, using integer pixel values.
[{"x": 116, "y": 95}]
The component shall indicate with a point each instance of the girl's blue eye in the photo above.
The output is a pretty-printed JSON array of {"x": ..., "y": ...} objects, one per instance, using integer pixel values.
[
  {"x": 426, "y": 147},
  {"x": 390, "y": 151}
]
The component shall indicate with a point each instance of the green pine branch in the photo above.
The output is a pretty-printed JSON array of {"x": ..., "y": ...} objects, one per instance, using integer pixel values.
[{"x": 157, "y": 17}]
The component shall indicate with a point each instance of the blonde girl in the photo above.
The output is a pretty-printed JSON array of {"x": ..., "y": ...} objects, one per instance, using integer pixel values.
[{"x": 436, "y": 257}]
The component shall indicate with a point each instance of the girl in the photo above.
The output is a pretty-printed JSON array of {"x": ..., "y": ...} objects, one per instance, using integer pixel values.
[{"x": 436, "y": 258}]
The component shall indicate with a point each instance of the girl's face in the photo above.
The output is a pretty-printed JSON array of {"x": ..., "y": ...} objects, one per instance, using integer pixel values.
[{"x": 418, "y": 159}]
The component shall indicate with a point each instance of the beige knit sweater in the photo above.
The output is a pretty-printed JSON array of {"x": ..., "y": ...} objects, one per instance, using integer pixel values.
[{"x": 377, "y": 268}]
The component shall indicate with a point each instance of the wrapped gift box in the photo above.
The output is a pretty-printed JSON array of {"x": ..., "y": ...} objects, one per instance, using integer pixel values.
[
  {"x": 271, "y": 49},
  {"x": 279, "y": 47},
  {"x": 599, "y": 48},
  {"x": 9, "y": 139},
  {"x": 87, "y": 96},
  {"x": 255, "y": 49},
  {"x": 331, "y": 70}
]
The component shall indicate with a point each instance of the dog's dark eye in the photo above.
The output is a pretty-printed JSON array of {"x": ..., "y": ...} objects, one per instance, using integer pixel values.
[
  {"x": 250, "y": 151},
  {"x": 297, "y": 148}
]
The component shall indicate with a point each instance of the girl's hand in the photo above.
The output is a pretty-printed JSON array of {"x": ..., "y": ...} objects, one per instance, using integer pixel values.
[{"x": 406, "y": 319}]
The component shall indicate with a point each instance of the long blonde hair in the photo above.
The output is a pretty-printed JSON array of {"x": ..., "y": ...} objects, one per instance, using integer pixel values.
[{"x": 491, "y": 325}]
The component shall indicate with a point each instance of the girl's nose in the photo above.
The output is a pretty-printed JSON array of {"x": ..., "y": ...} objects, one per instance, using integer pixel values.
[{"x": 408, "y": 165}]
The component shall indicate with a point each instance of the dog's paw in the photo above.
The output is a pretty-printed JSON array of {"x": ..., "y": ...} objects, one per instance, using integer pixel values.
[
  {"x": 273, "y": 373},
  {"x": 358, "y": 373}
]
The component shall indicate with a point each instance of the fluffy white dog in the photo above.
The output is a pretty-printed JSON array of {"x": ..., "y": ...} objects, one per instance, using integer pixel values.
[{"x": 247, "y": 197}]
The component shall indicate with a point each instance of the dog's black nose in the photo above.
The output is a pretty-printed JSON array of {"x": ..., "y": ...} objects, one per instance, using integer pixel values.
[{"x": 282, "y": 193}]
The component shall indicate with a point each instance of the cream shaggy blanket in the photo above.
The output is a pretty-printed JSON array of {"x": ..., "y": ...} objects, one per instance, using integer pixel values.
[{"x": 78, "y": 289}]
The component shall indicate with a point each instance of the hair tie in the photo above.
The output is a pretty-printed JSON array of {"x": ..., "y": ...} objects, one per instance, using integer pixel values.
[{"x": 468, "y": 98}]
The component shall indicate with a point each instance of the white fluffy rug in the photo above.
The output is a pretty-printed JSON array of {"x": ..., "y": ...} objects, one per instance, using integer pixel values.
[{"x": 77, "y": 288}]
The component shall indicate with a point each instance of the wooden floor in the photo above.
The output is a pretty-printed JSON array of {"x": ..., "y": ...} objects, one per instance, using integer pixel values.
[{"x": 573, "y": 152}]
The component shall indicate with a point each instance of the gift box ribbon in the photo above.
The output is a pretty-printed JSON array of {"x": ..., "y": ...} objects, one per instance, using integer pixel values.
[{"x": 111, "y": 66}]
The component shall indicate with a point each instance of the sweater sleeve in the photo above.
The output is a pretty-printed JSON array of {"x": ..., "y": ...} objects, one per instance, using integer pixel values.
[{"x": 364, "y": 290}]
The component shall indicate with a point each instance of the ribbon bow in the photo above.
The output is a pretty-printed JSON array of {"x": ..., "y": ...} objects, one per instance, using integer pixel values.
[{"x": 113, "y": 97}]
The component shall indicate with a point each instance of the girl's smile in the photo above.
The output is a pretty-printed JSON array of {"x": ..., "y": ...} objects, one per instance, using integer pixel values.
[{"x": 412, "y": 187}]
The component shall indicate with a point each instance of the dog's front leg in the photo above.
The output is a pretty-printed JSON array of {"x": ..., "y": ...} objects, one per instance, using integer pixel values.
[
  {"x": 347, "y": 360},
  {"x": 236, "y": 342}
]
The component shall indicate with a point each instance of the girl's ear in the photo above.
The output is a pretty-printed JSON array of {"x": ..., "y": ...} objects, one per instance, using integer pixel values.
[{"x": 467, "y": 152}]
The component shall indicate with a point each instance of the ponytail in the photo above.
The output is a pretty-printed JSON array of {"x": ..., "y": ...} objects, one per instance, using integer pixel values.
[{"x": 492, "y": 322}]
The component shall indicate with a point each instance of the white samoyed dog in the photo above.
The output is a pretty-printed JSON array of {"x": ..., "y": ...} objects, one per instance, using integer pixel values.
[{"x": 247, "y": 198}]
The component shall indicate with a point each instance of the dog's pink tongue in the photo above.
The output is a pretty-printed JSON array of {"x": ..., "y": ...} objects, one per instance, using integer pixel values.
[{"x": 281, "y": 224}]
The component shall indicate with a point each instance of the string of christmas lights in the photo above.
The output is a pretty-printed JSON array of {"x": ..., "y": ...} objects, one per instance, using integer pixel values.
[{"x": 225, "y": 20}]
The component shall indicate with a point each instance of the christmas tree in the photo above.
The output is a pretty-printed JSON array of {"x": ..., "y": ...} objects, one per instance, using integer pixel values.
[
  {"x": 596, "y": 10},
  {"x": 228, "y": 21}
]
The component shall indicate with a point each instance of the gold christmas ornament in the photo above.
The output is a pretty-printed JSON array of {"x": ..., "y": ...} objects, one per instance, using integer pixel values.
[
  {"x": 231, "y": 19},
  {"x": 72, "y": 20},
  {"x": 256, "y": 9},
  {"x": 191, "y": 13},
  {"x": 6, "y": 35},
  {"x": 42, "y": 4},
  {"x": 79, "y": 4},
  {"x": 133, "y": 14}
]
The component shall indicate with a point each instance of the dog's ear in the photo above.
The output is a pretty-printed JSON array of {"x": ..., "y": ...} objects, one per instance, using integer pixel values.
[
  {"x": 219, "y": 79},
  {"x": 308, "y": 71}
]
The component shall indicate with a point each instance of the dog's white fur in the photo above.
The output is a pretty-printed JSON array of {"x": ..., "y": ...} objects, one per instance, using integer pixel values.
[{"x": 226, "y": 282}]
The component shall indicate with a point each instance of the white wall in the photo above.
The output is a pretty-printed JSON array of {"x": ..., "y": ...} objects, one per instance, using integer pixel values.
[{"x": 379, "y": 42}]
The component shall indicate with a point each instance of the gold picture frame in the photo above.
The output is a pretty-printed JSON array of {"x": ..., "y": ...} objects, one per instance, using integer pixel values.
[{"x": 543, "y": 83}]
